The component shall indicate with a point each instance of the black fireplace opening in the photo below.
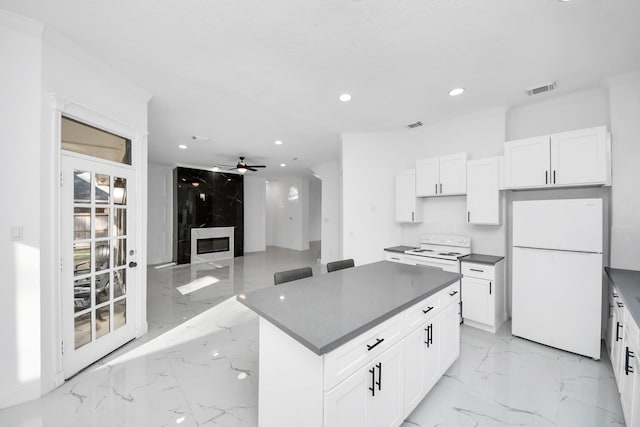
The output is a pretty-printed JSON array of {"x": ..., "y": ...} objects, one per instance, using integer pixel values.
[{"x": 212, "y": 245}]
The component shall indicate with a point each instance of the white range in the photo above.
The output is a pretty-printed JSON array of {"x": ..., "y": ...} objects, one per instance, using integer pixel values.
[{"x": 441, "y": 250}]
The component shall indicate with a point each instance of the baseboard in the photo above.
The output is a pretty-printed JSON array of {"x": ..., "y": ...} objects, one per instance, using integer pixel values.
[{"x": 20, "y": 395}]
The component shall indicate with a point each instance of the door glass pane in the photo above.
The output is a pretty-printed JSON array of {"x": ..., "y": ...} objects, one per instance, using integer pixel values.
[
  {"x": 81, "y": 258},
  {"x": 81, "y": 186},
  {"x": 119, "y": 283},
  {"x": 102, "y": 288},
  {"x": 102, "y": 255},
  {"x": 119, "y": 252},
  {"x": 119, "y": 313},
  {"x": 84, "y": 139},
  {"x": 81, "y": 294},
  {"x": 120, "y": 222},
  {"x": 81, "y": 223},
  {"x": 102, "y": 222},
  {"x": 102, "y": 188},
  {"x": 102, "y": 321},
  {"x": 82, "y": 329},
  {"x": 119, "y": 191}
]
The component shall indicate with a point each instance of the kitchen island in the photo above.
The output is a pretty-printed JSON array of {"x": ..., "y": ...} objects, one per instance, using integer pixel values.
[{"x": 356, "y": 347}]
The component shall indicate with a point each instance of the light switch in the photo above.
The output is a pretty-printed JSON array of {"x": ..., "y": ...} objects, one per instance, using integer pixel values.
[{"x": 16, "y": 232}]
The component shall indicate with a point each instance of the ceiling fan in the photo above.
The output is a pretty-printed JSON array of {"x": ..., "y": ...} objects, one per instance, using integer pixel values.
[{"x": 242, "y": 166}]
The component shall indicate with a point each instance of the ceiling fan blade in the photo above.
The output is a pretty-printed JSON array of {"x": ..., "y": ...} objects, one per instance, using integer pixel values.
[
  {"x": 251, "y": 168},
  {"x": 256, "y": 166}
]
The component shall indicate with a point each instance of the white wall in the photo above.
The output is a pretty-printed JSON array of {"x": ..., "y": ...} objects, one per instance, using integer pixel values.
[
  {"x": 624, "y": 98},
  {"x": 160, "y": 214},
  {"x": 255, "y": 214},
  {"x": 288, "y": 213},
  {"x": 315, "y": 209},
  {"x": 20, "y": 333},
  {"x": 331, "y": 232},
  {"x": 369, "y": 162}
]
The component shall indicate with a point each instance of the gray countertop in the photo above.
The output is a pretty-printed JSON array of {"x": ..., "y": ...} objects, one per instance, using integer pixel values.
[
  {"x": 627, "y": 283},
  {"x": 482, "y": 259},
  {"x": 325, "y": 311},
  {"x": 399, "y": 249}
]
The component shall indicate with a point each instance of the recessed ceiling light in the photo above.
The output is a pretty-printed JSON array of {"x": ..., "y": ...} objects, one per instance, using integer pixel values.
[
  {"x": 277, "y": 142},
  {"x": 283, "y": 165},
  {"x": 182, "y": 146},
  {"x": 456, "y": 91},
  {"x": 345, "y": 97}
]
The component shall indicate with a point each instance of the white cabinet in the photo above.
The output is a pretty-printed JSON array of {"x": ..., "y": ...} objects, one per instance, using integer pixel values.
[
  {"x": 422, "y": 362},
  {"x": 408, "y": 207},
  {"x": 442, "y": 176},
  {"x": 580, "y": 157},
  {"x": 370, "y": 397},
  {"x": 483, "y": 191},
  {"x": 483, "y": 295}
]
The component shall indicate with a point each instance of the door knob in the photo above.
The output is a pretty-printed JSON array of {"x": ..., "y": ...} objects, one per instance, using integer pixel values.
[{"x": 133, "y": 264}]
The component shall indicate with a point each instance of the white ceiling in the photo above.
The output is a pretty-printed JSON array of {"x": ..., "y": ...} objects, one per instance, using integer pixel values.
[{"x": 244, "y": 73}]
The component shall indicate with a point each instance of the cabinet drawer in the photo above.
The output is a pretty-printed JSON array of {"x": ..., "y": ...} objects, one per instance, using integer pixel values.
[
  {"x": 419, "y": 313},
  {"x": 450, "y": 294},
  {"x": 481, "y": 271},
  {"x": 397, "y": 257},
  {"x": 348, "y": 358}
]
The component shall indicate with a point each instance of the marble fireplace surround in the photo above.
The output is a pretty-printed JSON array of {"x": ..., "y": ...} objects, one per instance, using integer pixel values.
[{"x": 210, "y": 233}]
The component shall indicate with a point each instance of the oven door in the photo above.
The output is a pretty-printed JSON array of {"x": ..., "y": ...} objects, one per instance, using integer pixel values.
[{"x": 445, "y": 264}]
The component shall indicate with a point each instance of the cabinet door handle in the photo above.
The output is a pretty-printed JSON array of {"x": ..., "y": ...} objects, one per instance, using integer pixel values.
[
  {"x": 379, "y": 382},
  {"x": 436, "y": 188},
  {"x": 489, "y": 288},
  {"x": 615, "y": 295},
  {"x": 371, "y": 347},
  {"x": 628, "y": 369},
  {"x": 440, "y": 188},
  {"x": 395, "y": 259},
  {"x": 618, "y": 336},
  {"x": 429, "y": 330},
  {"x": 372, "y": 371},
  {"x": 476, "y": 269},
  {"x": 620, "y": 304},
  {"x": 554, "y": 176},
  {"x": 412, "y": 217},
  {"x": 452, "y": 293},
  {"x": 427, "y": 310},
  {"x": 468, "y": 216},
  {"x": 546, "y": 177}
]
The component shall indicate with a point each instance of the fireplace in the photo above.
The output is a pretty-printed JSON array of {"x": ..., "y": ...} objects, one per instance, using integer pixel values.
[{"x": 211, "y": 243}]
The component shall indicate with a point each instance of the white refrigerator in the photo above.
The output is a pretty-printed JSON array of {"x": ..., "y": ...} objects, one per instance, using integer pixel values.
[{"x": 557, "y": 273}]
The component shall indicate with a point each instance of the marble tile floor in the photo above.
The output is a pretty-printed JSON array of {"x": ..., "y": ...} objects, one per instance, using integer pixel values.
[{"x": 197, "y": 366}]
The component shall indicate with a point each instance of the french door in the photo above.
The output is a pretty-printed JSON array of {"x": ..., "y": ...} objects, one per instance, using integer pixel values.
[{"x": 98, "y": 255}]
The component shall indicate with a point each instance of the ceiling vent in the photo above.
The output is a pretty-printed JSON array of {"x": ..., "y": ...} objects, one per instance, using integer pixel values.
[
  {"x": 541, "y": 89},
  {"x": 414, "y": 125}
]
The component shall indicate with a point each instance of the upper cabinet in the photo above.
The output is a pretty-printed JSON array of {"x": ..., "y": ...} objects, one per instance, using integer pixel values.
[
  {"x": 483, "y": 191},
  {"x": 442, "y": 176},
  {"x": 580, "y": 157},
  {"x": 408, "y": 208}
]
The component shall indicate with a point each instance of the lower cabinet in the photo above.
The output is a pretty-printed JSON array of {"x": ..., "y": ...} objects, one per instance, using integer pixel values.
[
  {"x": 370, "y": 397},
  {"x": 483, "y": 295},
  {"x": 623, "y": 341}
]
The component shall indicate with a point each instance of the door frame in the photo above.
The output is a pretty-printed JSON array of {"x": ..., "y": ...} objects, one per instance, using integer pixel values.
[{"x": 51, "y": 301}]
